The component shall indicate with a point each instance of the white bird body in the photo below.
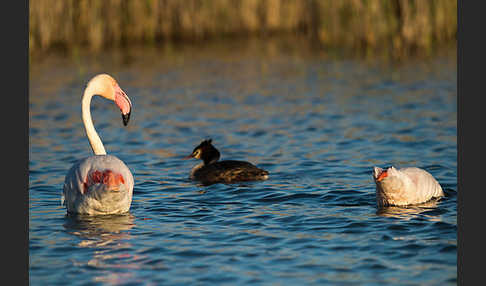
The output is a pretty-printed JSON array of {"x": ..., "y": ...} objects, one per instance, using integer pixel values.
[
  {"x": 99, "y": 184},
  {"x": 406, "y": 186},
  {"x": 89, "y": 192}
]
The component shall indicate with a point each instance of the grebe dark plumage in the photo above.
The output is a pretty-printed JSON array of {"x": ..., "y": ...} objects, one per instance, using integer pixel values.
[{"x": 212, "y": 171}]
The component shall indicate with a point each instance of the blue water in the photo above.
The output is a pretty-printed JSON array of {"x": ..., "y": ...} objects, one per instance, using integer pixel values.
[{"x": 317, "y": 124}]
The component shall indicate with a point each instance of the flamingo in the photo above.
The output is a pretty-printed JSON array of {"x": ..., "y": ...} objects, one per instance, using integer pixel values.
[
  {"x": 406, "y": 186},
  {"x": 99, "y": 184}
]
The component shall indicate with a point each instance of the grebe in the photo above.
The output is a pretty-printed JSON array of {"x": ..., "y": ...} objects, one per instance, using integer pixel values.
[
  {"x": 406, "y": 186},
  {"x": 212, "y": 171}
]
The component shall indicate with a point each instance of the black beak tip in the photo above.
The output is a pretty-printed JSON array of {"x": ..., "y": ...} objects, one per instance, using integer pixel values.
[{"x": 126, "y": 118}]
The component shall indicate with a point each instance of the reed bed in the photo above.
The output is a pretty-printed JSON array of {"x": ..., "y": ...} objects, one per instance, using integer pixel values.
[{"x": 367, "y": 26}]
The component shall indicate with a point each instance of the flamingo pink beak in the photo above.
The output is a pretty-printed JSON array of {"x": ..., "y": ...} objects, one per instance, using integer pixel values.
[
  {"x": 124, "y": 103},
  {"x": 383, "y": 175}
]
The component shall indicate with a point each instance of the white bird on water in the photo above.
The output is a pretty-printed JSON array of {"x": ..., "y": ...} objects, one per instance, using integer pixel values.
[
  {"x": 99, "y": 184},
  {"x": 406, "y": 186}
]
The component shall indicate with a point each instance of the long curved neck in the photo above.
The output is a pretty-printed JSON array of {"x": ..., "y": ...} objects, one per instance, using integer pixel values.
[{"x": 94, "y": 139}]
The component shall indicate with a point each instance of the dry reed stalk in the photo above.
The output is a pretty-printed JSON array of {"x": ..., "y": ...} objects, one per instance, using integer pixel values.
[{"x": 366, "y": 25}]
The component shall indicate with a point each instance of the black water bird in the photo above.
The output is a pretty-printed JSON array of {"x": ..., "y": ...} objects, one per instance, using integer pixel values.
[{"x": 212, "y": 171}]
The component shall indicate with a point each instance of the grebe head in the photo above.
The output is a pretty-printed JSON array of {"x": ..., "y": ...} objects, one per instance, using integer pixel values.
[{"x": 206, "y": 152}]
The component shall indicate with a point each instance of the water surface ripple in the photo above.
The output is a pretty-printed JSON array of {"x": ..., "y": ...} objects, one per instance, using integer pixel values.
[{"x": 317, "y": 125}]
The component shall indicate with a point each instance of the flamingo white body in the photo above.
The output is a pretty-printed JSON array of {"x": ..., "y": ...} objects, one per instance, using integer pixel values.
[
  {"x": 99, "y": 184},
  {"x": 406, "y": 186}
]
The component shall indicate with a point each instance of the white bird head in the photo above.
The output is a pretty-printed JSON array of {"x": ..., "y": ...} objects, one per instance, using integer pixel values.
[
  {"x": 106, "y": 86},
  {"x": 380, "y": 174}
]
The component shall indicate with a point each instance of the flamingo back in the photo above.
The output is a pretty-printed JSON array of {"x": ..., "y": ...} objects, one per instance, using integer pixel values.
[
  {"x": 405, "y": 186},
  {"x": 100, "y": 184}
]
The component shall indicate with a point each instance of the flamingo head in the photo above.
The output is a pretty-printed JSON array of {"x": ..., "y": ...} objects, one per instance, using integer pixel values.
[
  {"x": 106, "y": 86},
  {"x": 380, "y": 174}
]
